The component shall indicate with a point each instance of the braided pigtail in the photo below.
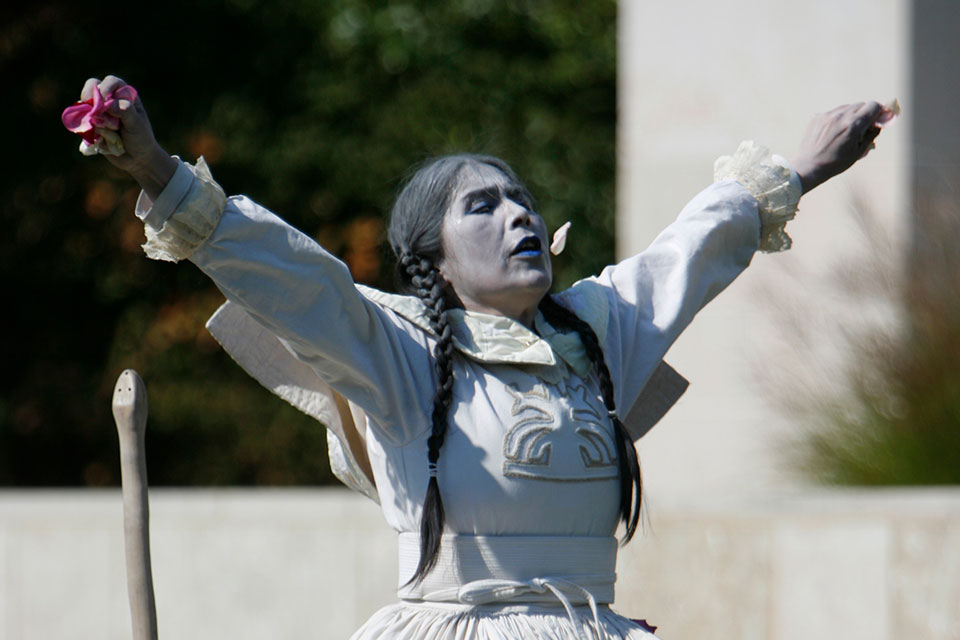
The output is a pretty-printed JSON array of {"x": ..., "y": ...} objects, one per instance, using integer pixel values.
[
  {"x": 430, "y": 288},
  {"x": 416, "y": 236},
  {"x": 627, "y": 462}
]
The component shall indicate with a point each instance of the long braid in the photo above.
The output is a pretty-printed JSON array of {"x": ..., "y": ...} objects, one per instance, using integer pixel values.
[
  {"x": 430, "y": 288},
  {"x": 416, "y": 236},
  {"x": 628, "y": 465}
]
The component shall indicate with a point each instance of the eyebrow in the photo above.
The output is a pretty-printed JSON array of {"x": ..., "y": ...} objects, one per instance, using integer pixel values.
[
  {"x": 480, "y": 194},
  {"x": 512, "y": 192}
]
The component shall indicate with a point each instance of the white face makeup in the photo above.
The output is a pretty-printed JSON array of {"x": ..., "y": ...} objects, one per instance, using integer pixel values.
[{"x": 495, "y": 248}]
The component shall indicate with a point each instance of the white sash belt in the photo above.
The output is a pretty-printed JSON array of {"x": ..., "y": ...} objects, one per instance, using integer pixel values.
[{"x": 486, "y": 569}]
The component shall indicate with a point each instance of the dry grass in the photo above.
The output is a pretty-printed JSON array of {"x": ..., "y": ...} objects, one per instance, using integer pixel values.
[{"x": 892, "y": 415}]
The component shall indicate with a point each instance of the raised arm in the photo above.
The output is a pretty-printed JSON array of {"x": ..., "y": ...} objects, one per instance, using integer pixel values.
[
  {"x": 284, "y": 279},
  {"x": 650, "y": 298}
]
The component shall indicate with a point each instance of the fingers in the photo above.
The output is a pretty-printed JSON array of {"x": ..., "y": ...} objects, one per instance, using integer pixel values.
[
  {"x": 875, "y": 108},
  {"x": 867, "y": 141},
  {"x": 864, "y": 129},
  {"x": 840, "y": 109},
  {"x": 107, "y": 86},
  {"x": 120, "y": 108},
  {"x": 870, "y": 110},
  {"x": 858, "y": 122},
  {"x": 111, "y": 84},
  {"x": 865, "y": 111},
  {"x": 87, "y": 92}
]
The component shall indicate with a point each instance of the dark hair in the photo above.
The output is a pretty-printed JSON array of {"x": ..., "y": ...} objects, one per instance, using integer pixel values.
[
  {"x": 416, "y": 220},
  {"x": 415, "y": 233},
  {"x": 628, "y": 464}
]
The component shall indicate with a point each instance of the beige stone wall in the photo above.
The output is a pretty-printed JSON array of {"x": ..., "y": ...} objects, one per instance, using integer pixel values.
[
  {"x": 227, "y": 564},
  {"x": 851, "y": 564},
  {"x": 294, "y": 565},
  {"x": 755, "y": 554},
  {"x": 695, "y": 78}
]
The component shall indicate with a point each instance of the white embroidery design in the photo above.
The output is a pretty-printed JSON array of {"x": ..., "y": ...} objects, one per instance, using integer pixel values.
[{"x": 551, "y": 440}]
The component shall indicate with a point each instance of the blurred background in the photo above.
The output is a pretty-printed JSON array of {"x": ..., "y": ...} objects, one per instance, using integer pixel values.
[
  {"x": 316, "y": 109},
  {"x": 783, "y": 492}
]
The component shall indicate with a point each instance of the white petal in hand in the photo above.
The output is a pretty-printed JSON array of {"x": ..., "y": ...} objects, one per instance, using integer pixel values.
[{"x": 890, "y": 111}]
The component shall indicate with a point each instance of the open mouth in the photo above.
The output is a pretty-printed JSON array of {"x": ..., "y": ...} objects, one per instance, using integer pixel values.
[{"x": 529, "y": 246}]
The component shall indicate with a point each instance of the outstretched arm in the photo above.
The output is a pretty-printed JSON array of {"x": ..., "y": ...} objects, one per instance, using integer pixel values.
[
  {"x": 285, "y": 280},
  {"x": 652, "y": 296}
]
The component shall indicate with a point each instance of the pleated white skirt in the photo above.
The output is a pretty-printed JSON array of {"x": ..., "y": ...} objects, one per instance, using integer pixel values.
[{"x": 453, "y": 621}]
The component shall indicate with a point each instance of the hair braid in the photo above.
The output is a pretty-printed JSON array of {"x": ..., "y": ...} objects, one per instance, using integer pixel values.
[
  {"x": 430, "y": 288},
  {"x": 416, "y": 236},
  {"x": 627, "y": 462}
]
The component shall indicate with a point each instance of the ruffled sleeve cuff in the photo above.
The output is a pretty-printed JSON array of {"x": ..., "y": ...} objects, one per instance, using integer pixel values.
[
  {"x": 185, "y": 214},
  {"x": 772, "y": 182}
]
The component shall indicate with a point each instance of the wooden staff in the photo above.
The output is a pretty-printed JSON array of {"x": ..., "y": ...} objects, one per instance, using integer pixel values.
[{"x": 130, "y": 414}]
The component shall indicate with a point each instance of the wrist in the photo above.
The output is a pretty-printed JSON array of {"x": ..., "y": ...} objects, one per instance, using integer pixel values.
[
  {"x": 154, "y": 172},
  {"x": 810, "y": 176}
]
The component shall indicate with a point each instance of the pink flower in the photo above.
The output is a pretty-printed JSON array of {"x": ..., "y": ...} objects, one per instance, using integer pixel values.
[{"x": 89, "y": 117}]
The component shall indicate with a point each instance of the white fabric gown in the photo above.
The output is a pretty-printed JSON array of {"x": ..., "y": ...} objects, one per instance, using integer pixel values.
[{"x": 528, "y": 470}]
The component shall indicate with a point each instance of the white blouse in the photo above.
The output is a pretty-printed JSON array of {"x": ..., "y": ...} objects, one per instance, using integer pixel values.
[{"x": 528, "y": 466}]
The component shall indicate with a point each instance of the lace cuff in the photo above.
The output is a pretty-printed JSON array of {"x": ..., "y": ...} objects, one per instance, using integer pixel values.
[
  {"x": 185, "y": 214},
  {"x": 775, "y": 186}
]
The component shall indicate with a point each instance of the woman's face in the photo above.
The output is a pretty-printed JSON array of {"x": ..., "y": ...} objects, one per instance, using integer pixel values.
[{"x": 495, "y": 248}]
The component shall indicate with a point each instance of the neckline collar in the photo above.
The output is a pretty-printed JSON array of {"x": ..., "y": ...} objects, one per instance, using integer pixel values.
[{"x": 494, "y": 339}]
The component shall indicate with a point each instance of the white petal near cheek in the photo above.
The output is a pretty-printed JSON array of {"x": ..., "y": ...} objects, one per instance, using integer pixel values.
[{"x": 560, "y": 239}]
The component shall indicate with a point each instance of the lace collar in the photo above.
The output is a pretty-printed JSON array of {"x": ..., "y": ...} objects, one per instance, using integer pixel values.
[{"x": 494, "y": 339}]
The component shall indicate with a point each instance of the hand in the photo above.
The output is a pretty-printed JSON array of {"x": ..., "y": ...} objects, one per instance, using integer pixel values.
[
  {"x": 144, "y": 159},
  {"x": 835, "y": 140}
]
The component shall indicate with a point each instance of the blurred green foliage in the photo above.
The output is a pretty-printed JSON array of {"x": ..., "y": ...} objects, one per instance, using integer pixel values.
[{"x": 314, "y": 108}]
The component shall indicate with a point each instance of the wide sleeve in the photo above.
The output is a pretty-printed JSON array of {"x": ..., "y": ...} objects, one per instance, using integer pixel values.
[
  {"x": 301, "y": 293},
  {"x": 640, "y": 306},
  {"x": 646, "y": 301}
]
